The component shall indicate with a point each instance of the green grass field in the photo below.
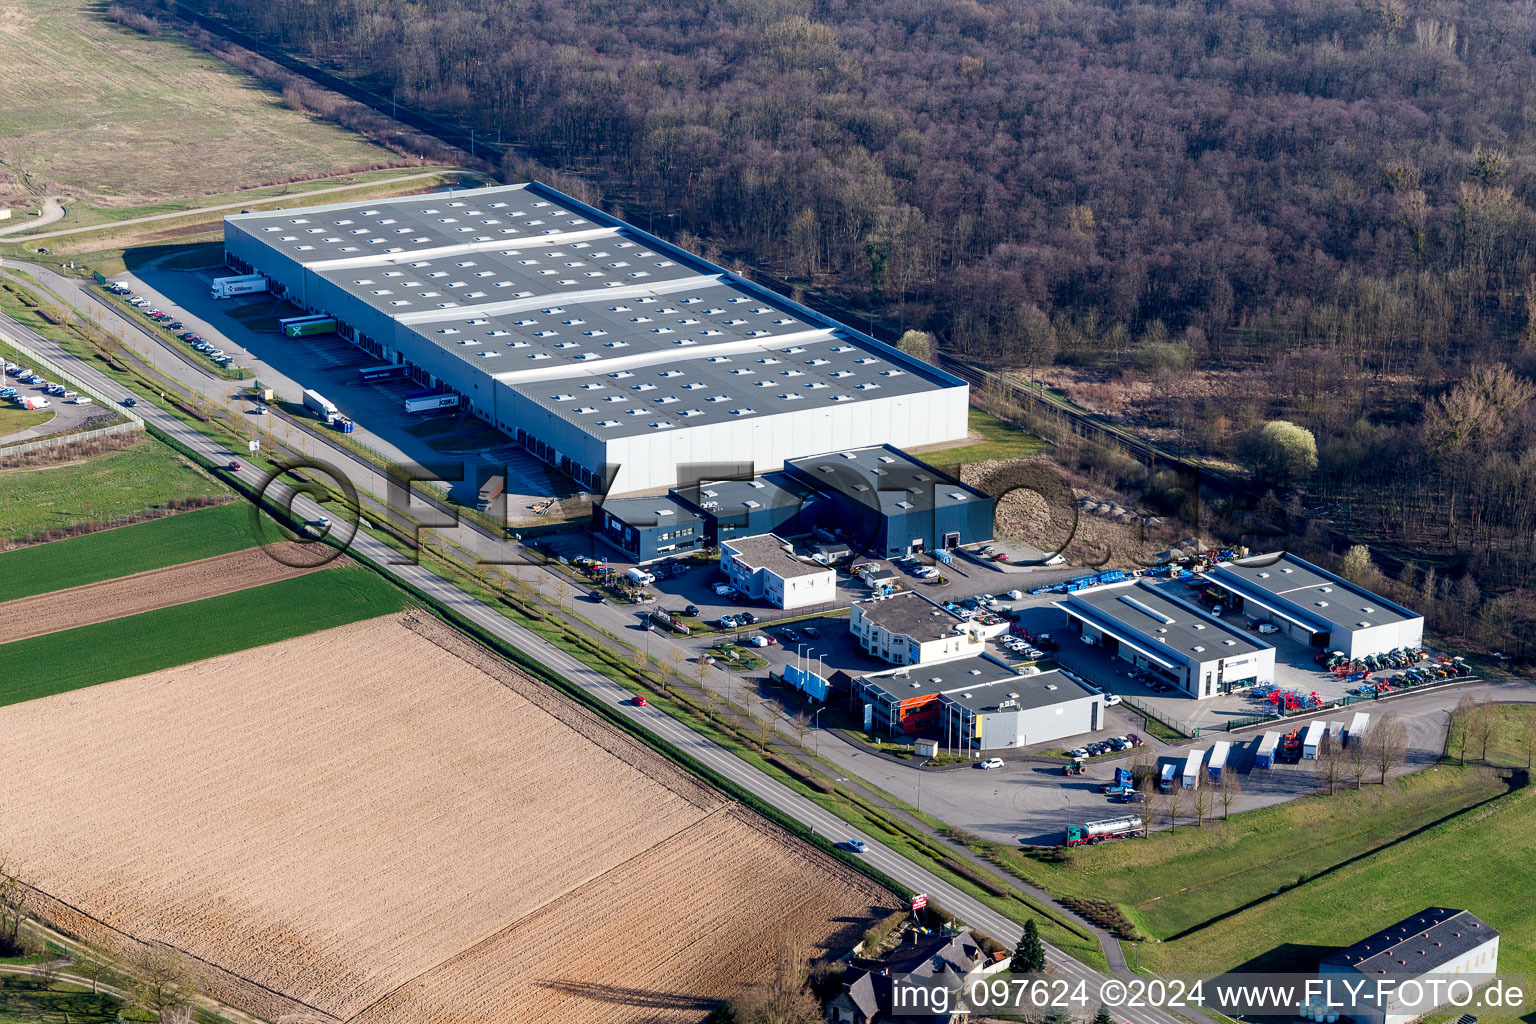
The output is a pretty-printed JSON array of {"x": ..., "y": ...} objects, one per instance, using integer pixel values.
[
  {"x": 74, "y": 658},
  {"x": 119, "y": 484},
  {"x": 24, "y": 1001},
  {"x": 122, "y": 118},
  {"x": 1175, "y": 881},
  {"x": 1000, "y": 441},
  {"x": 126, "y": 550},
  {"x": 14, "y": 418}
]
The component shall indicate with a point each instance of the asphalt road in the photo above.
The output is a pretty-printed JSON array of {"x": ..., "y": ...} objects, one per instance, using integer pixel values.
[{"x": 652, "y": 720}]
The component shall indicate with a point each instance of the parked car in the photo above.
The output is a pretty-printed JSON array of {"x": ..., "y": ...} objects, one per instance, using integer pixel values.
[
  {"x": 1111, "y": 699},
  {"x": 990, "y": 763},
  {"x": 692, "y": 611},
  {"x": 722, "y": 589},
  {"x": 759, "y": 641},
  {"x": 747, "y": 617},
  {"x": 1268, "y": 627},
  {"x": 789, "y": 635},
  {"x": 812, "y": 632},
  {"x": 175, "y": 325}
]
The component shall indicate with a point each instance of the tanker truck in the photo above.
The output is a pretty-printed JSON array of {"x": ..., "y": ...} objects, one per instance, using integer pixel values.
[{"x": 1095, "y": 832}]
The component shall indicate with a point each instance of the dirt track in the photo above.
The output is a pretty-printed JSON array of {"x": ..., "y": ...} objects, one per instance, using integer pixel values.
[
  {"x": 383, "y": 822},
  {"x": 146, "y": 591}
]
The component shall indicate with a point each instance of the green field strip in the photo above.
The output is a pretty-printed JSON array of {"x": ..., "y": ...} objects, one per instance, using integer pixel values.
[
  {"x": 178, "y": 635},
  {"x": 110, "y": 554}
]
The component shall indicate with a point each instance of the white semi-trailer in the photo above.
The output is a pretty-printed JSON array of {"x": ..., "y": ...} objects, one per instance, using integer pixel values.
[
  {"x": 427, "y": 403},
  {"x": 240, "y": 284},
  {"x": 319, "y": 405}
]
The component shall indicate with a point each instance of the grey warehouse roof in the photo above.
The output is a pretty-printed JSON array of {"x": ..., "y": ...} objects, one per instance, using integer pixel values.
[
  {"x": 1423, "y": 942},
  {"x": 726, "y": 498},
  {"x": 945, "y": 677},
  {"x": 1325, "y": 599},
  {"x": 658, "y": 511},
  {"x": 606, "y": 326},
  {"x": 1159, "y": 622},
  {"x": 1023, "y": 693},
  {"x": 911, "y": 614},
  {"x": 898, "y": 481},
  {"x": 769, "y": 551}
]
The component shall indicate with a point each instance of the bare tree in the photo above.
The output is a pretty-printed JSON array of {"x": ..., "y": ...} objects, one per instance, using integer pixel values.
[
  {"x": 1331, "y": 762},
  {"x": 1528, "y": 743},
  {"x": 562, "y": 590},
  {"x": 1461, "y": 726},
  {"x": 164, "y": 982},
  {"x": 785, "y": 998},
  {"x": 1359, "y": 754},
  {"x": 46, "y": 970},
  {"x": 762, "y": 728},
  {"x": 801, "y": 723},
  {"x": 95, "y": 966},
  {"x": 1202, "y": 804},
  {"x": 1175, "y": 799},
  {"x": 1231, "y": 789},
  {"x": 1388, "y": 743},
  {"x": 11, "y": 898},
  {"x": 1485, "y": 728}
]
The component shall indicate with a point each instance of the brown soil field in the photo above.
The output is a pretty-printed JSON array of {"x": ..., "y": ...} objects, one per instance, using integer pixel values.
[
  {"x": 385, "y": 821},
  {"x": 146, "y": 591}
]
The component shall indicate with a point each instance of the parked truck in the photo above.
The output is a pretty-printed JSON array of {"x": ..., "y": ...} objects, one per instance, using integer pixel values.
[
  {"x": 1169, "y": 776},
  {"x": 310, "y": 327},
  {"x": 240, "y": 284},
  {"x": 1192, "y": 768},
  {"x": 427, "y": 403},
  {"x": 1217, "y": 762},
  {"x": 1264, "y": 755},
  {"x": 492, "y": 489},
  {"x": 1095, "y": 832},
  {"x": 319, "y": 405},
  {"x": 1123, "y": 780},
  {"x": 640, "y": 577},
  {"x": 1313, "y": 740},
  {"x": 1355, "y": 734}
]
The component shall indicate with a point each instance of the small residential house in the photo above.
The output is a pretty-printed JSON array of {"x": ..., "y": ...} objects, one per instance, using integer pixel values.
[{"x": 948, "y": 962}]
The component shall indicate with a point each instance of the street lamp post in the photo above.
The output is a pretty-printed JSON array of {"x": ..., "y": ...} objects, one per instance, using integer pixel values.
[{"x": 815, "y": 739}]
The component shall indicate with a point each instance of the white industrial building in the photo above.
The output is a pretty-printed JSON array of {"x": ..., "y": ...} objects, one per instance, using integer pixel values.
[
  {"x": 1018, "y": 712},
  {"x": 978, "y": 703},
  {"x": 608, "y": 353},
  {"x": 1169, "y": 637},
  {"x": 908, "y": 629},
  {"x": 765, "y": 567},
  {"x": 1435, "y": 943},
  {"x": 1316, "y": 607}
]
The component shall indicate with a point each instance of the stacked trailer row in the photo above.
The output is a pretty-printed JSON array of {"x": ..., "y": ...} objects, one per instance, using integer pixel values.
[{"x": 1264, "y": 755}]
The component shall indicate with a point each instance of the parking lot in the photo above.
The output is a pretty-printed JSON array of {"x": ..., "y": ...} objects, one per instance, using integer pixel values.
[{"x": 68, "y": 414}]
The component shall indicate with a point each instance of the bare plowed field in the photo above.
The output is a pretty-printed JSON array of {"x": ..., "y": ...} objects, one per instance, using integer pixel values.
[
  {"x": 146, "y": 591},
  {"x": 642, "y": 950},
  {"x": 356, "y": 819}
]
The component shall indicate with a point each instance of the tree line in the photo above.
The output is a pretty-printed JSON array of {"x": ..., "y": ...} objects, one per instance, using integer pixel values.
[{"x": 1330, "y": 198}]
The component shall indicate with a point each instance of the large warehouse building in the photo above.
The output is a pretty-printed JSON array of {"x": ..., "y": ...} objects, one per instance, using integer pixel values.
[
  {"x": 1316, "y": 607},
  {"x": 1152, "y": 629},
  {"x": 624, "y": 361}
]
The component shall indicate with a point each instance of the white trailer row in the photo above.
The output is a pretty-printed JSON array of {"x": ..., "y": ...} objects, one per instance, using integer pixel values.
[{"x": 1192, "y": 768}]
